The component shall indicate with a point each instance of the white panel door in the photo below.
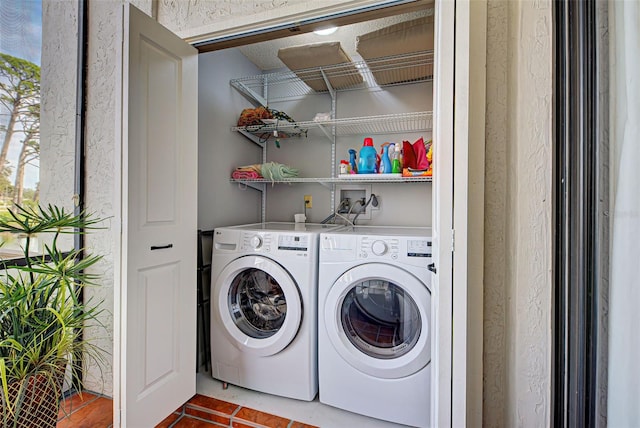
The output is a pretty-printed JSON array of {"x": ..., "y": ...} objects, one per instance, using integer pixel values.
[{"x": 158, "y": 354}]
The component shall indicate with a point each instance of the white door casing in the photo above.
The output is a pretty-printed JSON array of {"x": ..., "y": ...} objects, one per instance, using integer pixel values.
[
  {"x": 468, "y": 212},
  {"x": 159, "y": 207},
  {"x": 287, "y": 332}
]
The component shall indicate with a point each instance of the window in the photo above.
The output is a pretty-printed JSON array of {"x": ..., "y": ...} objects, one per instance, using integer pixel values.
[{"x": 37, "y": 145}]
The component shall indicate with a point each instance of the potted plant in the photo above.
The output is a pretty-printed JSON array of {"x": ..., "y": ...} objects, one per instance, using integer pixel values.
[{"x": 42, "y": 315}]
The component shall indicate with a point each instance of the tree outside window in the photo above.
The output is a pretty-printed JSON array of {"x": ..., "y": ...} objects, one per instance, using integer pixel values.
[{"x": 20, "y": 73}]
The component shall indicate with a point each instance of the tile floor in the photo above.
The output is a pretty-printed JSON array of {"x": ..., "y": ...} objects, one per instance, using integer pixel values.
[
  {"x": 93, "y": 411},
  {"x": 207, "y": 412},
  {"x": 311, "y": 412},
  {"x": 214, "y": 406},
  {"x": 86, "y": 410}
]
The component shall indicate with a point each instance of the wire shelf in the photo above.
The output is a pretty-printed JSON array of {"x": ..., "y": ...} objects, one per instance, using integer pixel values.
[
  {"x": 357, "y": 75},
  {"x": 328, "y": 180},
  {"x": 370, "y": 125}
]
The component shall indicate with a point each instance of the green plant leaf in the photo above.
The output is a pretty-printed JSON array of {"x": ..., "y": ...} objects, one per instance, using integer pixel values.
[{"x": 42, "y": 316}]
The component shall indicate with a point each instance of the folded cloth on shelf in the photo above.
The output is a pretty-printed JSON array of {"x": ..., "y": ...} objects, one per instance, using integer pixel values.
[
  {"x": 248, "y": 168},
  {"x": 276, "y": 171},
  {"x": 271, "y": 170},
  {"x": 238, "y": 174}
]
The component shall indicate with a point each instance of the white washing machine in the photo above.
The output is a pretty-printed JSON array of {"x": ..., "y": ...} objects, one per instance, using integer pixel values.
[
  {"x": 263, "y": 307},
  {"x": 374, "y": 315}
]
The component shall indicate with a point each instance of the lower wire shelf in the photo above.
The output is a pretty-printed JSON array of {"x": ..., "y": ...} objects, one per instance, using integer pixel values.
[{"x": 364, "y": 178}]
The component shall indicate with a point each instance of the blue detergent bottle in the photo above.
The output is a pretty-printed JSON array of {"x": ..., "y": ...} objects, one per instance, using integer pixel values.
[
  {"x": 385, "y": 162},
  {"x": 367, "y": 161}
]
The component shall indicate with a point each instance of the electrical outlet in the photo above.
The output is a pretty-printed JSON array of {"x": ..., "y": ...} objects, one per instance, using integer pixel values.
[{"x": 308, "y": 201}]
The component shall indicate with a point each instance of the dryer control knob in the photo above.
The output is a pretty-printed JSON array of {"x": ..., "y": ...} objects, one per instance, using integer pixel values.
[
  {"x": 379, "y": 248},
  {"x": 255, "y": 242}
]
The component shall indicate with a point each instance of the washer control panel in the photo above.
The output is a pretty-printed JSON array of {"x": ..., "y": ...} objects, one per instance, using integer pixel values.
[{"x": 252, "y": 241}]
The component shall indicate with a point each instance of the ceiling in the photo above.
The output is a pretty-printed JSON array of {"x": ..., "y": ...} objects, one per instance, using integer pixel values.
[{"x": 265, "y": 54}]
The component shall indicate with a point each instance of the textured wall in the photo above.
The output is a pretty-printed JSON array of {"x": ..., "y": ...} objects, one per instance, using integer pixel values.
[
  {"x": 58, "y": 109},
  {"x": 197, "y": 17},
  {"x": 100, "y": 139},
  {"x": 494, "y": 358},
  {"x": 180, "y": 15},
  {"x": 518, "y": 214},
  {"x": 529, "y": 213}
]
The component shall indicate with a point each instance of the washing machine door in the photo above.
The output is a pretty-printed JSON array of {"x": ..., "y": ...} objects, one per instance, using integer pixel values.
[
  {"x": 259, "y": 305},
  {"x": 377, "y": 318}
]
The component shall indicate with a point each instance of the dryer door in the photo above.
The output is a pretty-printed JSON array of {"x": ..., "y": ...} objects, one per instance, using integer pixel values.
[
  {"x": 377, "y": 317},
  {"x": 259, "y": 305}
]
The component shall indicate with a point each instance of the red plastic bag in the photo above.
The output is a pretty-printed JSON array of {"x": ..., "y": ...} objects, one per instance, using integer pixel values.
[
  {"x": 408, "y": 157},
  {"x": 420, "y": 153}
]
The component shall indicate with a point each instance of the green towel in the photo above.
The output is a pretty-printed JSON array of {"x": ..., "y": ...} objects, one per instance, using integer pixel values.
[{"x": 276, "y": 171}]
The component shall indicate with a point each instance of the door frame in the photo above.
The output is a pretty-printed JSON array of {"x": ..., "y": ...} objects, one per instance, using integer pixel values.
[
  {"x": 458, "y": 371},
  {"x": 468, "y": 211}
]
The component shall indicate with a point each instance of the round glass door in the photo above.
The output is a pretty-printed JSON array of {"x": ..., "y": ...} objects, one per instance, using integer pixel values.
[
  {"x": 380, "y": 319},
  {"x": 258, "y": 304},
  {"x": 377, "y": 317}
]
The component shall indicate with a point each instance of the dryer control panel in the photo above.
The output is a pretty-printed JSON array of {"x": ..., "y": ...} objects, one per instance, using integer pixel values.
[
  {"x": 413, "y": 251},
  {"x": 419, "y": 248},
  {"x": 374, "y": 246}
]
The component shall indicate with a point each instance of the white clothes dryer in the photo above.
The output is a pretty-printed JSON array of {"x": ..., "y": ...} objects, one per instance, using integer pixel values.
[
  {"x": 374, "y": 315},
  {"x": 263, "y": 307}
]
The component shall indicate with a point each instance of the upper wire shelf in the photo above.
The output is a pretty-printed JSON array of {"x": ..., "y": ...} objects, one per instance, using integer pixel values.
[
  {"x": 381, "y": 72},
  {"x": 383, "y": 124}
]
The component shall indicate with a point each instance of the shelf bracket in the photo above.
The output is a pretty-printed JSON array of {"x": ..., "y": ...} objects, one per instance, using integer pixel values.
[
  {"x": 326, "y": 184},
  {"x": 251, "y": 137},
  {"x": 325, "y": 132},
  {"x": 329, "y": 86},
  {"x": 256, "y": 186},
  {"x": 258, "y": 100}
]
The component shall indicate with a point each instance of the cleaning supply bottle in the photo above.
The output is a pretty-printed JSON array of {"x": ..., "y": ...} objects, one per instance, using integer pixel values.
[
  {"x": 344, "y": 167},
  {"x": 367, "y": 161},
  {"x": 396, "y": 159},
  {"x": 385, "y": 162},
  {"x": 352, "y": 161}
]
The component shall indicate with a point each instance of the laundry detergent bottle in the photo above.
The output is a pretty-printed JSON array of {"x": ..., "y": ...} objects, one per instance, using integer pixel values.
[{"x": 367, "y": 160}]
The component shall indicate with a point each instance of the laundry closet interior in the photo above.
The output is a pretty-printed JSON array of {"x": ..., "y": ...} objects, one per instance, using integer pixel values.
[
  {"x": 326, "y": 111},
  {"x": 394, "y": 112}
]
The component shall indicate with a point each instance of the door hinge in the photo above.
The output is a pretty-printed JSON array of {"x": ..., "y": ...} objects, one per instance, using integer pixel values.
[
  {"x": 453, "y": 240},
  {"x": 432, "y": 267}
]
